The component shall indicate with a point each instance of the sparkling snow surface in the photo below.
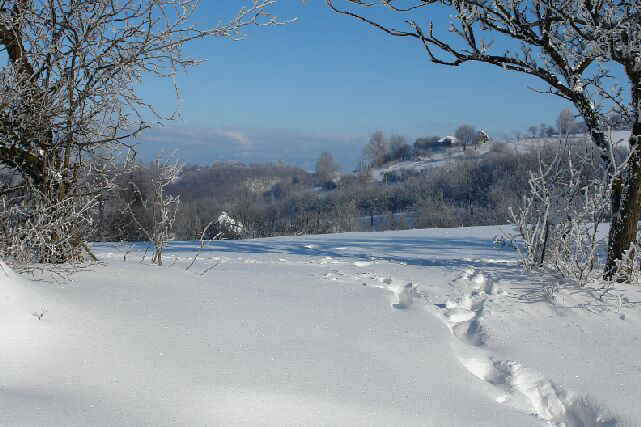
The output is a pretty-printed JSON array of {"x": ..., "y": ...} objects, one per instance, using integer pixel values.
[{"x": 420, "y": 327}]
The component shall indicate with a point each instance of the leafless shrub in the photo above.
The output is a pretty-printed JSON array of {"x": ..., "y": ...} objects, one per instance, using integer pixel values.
[
  {"x": 203, "y": 243},
  {"x": 345, "y": 214},
  {"x": 557, "y": 223},
  {"x": 158, "y": 215},
  {"x": 550, "y": 291}
]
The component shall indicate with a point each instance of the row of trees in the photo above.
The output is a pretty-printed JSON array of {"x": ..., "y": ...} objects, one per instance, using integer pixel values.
[
  {"x": 381, "y": 149},
  {"x": 469, "y": 191},
  {"x": 504, "y": 185},
  {"x": 566, "y": 124}
]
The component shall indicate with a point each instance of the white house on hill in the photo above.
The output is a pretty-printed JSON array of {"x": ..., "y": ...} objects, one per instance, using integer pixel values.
[{"x": 449, "y": 141}]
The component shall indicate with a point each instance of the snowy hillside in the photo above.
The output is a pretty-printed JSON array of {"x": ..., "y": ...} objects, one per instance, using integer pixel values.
[
  {"x": 420, "y": 327},
  {"x": 445, "y": 157}
]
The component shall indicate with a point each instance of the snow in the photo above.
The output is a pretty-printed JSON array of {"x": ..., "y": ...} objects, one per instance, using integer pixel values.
[
  {"x": 620, "y": 136},
  {"x": 230, "y": 225},
  {"x": 452, "y": 140},
  {"x": 416, "y": 327}
]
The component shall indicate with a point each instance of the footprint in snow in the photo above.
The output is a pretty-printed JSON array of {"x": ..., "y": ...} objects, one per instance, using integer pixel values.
[
  {"x": 404, "y": 293},
  {"x": 549, "y": 401},
  {"x": 405, "y": 296}
]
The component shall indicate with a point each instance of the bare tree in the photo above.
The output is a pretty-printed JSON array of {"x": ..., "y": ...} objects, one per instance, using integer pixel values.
[
  {"x": 156, "y": 219},
  {"x": 543, "y": 128},
  {"x": 565, "y": 123},
  {"x": 398, "y": 147},
  {"x": 37, "y": 228},
  {"x": 467, "y": 135},
  {"x": 532, "y": 130},
  {"x": 377, "y": 149},
  {"x": 326, "y": 167},
  {"x": 68, "y": 98},
  {"x": 568, "y": 45},
  {"x": 345, "y": 212},
  {"x": 550, "y": 131}
]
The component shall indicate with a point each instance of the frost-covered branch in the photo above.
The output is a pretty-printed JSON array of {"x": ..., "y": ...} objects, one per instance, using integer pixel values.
[{"x": 69, "y": 99}]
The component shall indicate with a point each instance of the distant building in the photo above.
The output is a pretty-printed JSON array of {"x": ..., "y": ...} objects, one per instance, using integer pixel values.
[
  {"x": 484, "y": 138},
  {"x": 449, "y": 141}
]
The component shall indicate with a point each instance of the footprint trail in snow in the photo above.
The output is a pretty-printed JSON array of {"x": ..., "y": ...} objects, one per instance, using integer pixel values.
[
  {"x": 523, "y": 389},
  {"x": 519, "y": 384}
]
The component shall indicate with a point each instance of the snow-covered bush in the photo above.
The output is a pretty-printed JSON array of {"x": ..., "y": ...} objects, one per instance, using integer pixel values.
[
  {"x": 557, "y": 223},
  {"x": 228, "y": 227},
  {"x": 47, "y": 223},
  {"x": 35, "y": 228}
]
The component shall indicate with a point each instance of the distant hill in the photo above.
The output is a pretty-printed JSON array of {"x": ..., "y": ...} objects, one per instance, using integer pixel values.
[{"x": 397, "y": 169}]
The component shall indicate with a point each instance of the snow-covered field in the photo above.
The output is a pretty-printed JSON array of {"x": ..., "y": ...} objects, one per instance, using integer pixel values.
[{"x": 418, "y": 327}]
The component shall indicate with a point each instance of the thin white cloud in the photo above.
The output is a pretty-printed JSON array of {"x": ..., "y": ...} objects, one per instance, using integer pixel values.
[
  {"x": 250, "y": 145},
  {"x": 238, "y": 136}
]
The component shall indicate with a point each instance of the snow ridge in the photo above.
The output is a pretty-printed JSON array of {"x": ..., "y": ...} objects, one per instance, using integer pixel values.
[{"x": 548, "y": 400}]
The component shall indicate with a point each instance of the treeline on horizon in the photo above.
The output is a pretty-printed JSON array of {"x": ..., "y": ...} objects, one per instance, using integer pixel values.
[{"x": 272, "y": 199}]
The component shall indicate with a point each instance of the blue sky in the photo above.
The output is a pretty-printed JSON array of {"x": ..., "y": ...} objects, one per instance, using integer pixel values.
[{"x": 326, "y": 82}]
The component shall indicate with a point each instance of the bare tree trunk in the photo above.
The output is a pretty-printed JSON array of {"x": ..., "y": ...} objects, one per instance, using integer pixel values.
[
  {"x": 546, "y": 235},
  {"x": 626, "y": 210},
  {"x": 157, "y": 259}
]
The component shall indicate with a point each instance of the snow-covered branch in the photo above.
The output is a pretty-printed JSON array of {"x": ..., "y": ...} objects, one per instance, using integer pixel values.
[{"x": 68, "y": 89}]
